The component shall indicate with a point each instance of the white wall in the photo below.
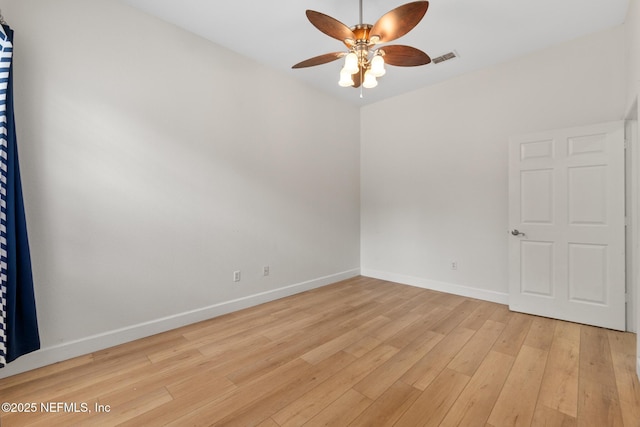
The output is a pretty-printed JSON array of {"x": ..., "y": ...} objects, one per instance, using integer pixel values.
[
  {"x": 155, "y": 163},
  {"x": 434, "y": 161}
]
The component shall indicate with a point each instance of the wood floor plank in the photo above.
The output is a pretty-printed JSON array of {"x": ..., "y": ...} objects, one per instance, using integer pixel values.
[
  {"x": 234, "y": 323},
  {"x": 455, "y": 317},
  {"x": 219, "y": 408},
  {"x": 417, "y": 328},
  {"x": 143, "y": 346},
  {"x": 269, "y": 358},
  {"x": 429, "y": 367},
  {"x": 287, "y": 326},
  {"x": 64, "y": 383},
  {"x": 312, "y": 402},
  {"x": 523, "y": 381},
  {"x": 342, "y": 411},
  {"x": 189, "y": 393},
  {"x": 547, "y": 417},
  {"x": 541, "y": 333},
  {"x": 362, "y": 352},
  {"x": 129, "y": 385},
  {"x": 514, "y": 334},
  {"x": 559, "y": 388},
  {"x": 476, "y": 401},
  {"x": 389, "y": 407},
  {"x": 256, "y": 360},
  {"x": 222, "y": 348},
  {"x": 363, "y": 312},
  {"x": 474, "y": 351},
  {"x": 268, "y": 423},
  {"x": 392, "y": 328},
  {"x": 568, "y": 331},
  {"x": 130, "y": 409},
  {"x": 278, "y": 398},
  {"x": 322, "y": 352},
  {"x": 598, "y": 402},
  {"x": 502, "y": 314},
  {"x": 480, "y": 315},
  {"x": 449, "y": 300},
  {"x": 624, "y": 361},
  {"x": 381, "y": 378},
  {"x": 435, "y": 401},
  {"x": 363, "y": 346},
  {"x": 422, "y": 305},
  {"x": 59, "y": 368}
]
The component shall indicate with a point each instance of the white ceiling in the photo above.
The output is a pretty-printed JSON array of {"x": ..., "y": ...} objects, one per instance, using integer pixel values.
[{"x": 278, "y": 34}]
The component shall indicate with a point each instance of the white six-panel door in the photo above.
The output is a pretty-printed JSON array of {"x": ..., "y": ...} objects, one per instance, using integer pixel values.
[{"x": 566, "y": 218}]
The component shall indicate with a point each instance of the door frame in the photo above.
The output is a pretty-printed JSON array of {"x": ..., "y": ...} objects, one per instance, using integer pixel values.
[
  {"x": 633, "y": 185},
  {"x": 632, "y": 197}
]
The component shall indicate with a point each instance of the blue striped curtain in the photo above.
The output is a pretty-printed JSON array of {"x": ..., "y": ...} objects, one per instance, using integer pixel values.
[{"x": 18, "y": 322}]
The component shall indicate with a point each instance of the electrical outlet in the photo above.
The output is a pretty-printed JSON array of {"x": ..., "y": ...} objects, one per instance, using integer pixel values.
[
  {"x": 265, "y": 270},
  {"x": 454, "y": 265},
  {"x": 236, "y": 276}
]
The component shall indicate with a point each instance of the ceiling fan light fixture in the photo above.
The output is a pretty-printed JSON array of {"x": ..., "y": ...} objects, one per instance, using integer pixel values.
[
  {"x": 377, "y": 66},
  {"x": 370, "y": 80},
  {"x": 351, "y": 63},
  {"x": 345, "y": 78},
  {"x": 363, "y": 63}
]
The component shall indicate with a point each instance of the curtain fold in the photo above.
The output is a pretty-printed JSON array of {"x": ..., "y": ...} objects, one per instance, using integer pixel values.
[{"x": 18, "y": 320}]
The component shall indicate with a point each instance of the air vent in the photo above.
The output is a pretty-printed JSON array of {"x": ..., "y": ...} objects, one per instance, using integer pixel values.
[{"x": 445, "y": 57}]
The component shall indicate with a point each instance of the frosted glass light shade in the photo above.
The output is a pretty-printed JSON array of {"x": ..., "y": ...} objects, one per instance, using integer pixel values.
[
  {"x": 369, "y": 80},
  {"x": 351, "y": 63},
  {"x": 377, "y": 66},
  {"x": 345, "y": 78}
]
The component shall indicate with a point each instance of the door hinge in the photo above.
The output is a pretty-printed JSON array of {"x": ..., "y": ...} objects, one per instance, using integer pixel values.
[
  {"x": 626, "y": 144},
  {"x": 627, "y": 298}
]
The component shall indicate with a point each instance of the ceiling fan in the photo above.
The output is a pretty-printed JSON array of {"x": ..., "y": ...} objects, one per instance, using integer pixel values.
[{"x": 363, "y": 62}]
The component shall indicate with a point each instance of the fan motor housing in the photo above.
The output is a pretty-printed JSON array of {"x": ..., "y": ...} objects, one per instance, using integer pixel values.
[{"x": 361, "y": 31}]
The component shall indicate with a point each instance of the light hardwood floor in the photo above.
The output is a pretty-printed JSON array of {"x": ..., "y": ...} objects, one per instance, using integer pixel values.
[{"x": 362, "y": 352}]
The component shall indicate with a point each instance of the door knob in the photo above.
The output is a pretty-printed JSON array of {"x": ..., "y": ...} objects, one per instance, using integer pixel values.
[{"x": 515, "y": 232}]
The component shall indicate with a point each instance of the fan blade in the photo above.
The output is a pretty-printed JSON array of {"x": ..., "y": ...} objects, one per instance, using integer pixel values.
[
  {"x": 330, "y": 26},
  {"x": 318, "y": 60},
  {"x": 399, "y": 21},
  {"x": 357, "y": 78},
  {"x": 404, "y": 56}
]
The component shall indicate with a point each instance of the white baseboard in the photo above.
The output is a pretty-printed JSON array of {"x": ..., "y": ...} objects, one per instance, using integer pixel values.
[
  {"x": 451, "y": 288},
  {"x": 68, "y": 350}
]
